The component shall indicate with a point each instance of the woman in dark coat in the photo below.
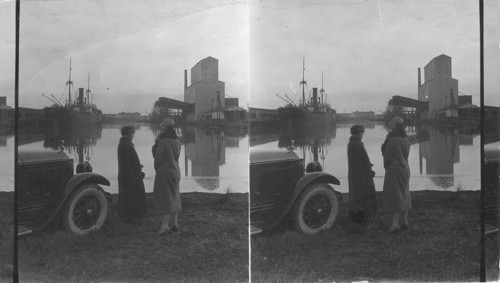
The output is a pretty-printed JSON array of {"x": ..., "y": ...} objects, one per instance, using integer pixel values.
[
  {"x": 397, "y": 199},
  {"x": 360, "y": 174},
  {"x": 167, "y": 198},
  {"x": 132, "y": 196}
]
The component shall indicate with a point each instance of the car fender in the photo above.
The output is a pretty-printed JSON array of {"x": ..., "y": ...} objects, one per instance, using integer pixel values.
[
  {"x": 80, "y": 178},
  {"x": 311, "y": 178},
  {"x": 314, "y": 177}
]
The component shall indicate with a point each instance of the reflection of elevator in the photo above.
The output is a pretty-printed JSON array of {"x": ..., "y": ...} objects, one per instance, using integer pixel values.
[
  {"x": 440, "y": 151},
  {"x": 3, "y": 140},
  {"x": 205, "y": 148}
]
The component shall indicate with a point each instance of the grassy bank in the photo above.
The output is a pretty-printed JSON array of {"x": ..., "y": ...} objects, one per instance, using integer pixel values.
[
  {"x": 442, "y": 244},
  {"x": 211, "y": 246},
  {"x": 6, "y": 235}
]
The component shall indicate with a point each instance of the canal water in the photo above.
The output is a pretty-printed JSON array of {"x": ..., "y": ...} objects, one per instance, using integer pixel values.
[
  {"x": 7, "y": 162},
  {"x": 217, "y": 161},
  {"x": 210, "y": 161},
  {"x": 440, "y": 158}
]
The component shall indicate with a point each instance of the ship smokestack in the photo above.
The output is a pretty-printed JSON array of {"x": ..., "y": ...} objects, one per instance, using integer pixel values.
[
  {"x": 80, "y": 99},
  {"x": 315, "y": 98}
]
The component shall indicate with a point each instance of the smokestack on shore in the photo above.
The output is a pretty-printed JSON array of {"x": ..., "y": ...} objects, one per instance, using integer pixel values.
[
  {"x": 419, "y": 84},
  {"x": 185, "y": 79},
  {"x": 419, "y": 79}
]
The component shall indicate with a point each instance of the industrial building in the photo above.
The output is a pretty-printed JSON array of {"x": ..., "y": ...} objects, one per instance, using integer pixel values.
[
  {"x": 206, "y": 92},
  {"x": 440, "y": 90},
  {"x": 204, "y": 99},
  {"x": 438, "y": 97}
]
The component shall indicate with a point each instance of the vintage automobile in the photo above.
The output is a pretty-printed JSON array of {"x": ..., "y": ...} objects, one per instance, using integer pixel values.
[
  {"x": 280, "y": 187},
  {"x": 49, "y": 191},
  {"x": 490, "y": 215}
]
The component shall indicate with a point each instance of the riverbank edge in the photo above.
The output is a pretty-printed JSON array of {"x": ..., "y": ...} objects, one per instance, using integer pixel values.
[{"x": 442, "y": 244}]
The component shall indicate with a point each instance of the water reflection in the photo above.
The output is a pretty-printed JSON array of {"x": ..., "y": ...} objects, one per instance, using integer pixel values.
[
  {"x": 4, "y": 136},
  {"x": 203, "y": 153},
  {"x": 440, "y": 147},
  {"x": 314, "y": 141},
  {"x": 435, "y": 154},
  {"x": 78, "y": 143},
  {"x": 7, "y": 158},
  {"x": 206, "y": 150}
]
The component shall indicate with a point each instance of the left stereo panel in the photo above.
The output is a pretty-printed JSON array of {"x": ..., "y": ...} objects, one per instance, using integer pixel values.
[{"x": 7, "y": 145}]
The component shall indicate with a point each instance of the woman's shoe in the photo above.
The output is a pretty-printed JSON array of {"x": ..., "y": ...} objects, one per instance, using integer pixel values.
[
  {"x": 405, "y": 226},
  {"x": 174, "y": 229},
  {"x": 163, "y": 231},
  {"x": 393, "y": 229}
]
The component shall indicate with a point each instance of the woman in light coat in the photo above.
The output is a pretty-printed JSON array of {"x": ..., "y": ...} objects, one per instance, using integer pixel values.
[
  {"x": 167, "y": 198},
  {"x": 396, "y": 194}
]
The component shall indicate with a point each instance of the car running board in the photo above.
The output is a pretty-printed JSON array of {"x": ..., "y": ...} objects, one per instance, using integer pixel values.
[
  {"x": 490, "y": 229},
  {"x": 21, "y": 230},
  {"x": 254, "y": 230}
]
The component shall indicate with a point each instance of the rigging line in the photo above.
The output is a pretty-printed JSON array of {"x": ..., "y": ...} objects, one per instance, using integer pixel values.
[
  {"x": 380, "y": 13},
  {"x": 62, "y": 89}
]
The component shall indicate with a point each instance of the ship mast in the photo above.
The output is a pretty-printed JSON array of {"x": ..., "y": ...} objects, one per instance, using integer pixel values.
[
  {"x": 88, "y": 89},
  {"x": 322, "y": 91},
  {"x": 69, "y": 83},
  {"x": 303, "y": 83}
]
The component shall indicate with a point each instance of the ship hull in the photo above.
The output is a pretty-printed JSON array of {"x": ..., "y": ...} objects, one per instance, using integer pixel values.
[
  {"x": 298, "y": 118},
  {"x": 66, "y": 118}
]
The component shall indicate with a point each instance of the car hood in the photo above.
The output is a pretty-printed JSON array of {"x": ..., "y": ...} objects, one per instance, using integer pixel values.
[
  {"x": 268, "y": 156},
  {"x": 24, "y": 157}
]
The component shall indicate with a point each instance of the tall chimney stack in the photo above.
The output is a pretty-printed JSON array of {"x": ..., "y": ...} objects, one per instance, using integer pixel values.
[
  {"x": 185, "y": 84},
  {"x": 419, "y": 79},
  {"x": 185, "y": 79},
  {"x": 419, "y": 84}
]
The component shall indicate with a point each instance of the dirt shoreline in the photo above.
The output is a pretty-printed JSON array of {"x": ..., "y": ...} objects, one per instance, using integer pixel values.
[
  {"x": 442, "y": 244},
  {"x": 211, "y": 245}
]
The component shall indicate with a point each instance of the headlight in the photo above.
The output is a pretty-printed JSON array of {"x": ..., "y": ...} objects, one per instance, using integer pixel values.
[
  {"x": 83, "y": 167},
  {"x": 314, "y": 167}
]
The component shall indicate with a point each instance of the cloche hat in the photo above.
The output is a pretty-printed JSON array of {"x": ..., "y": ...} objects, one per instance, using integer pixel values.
[
  {"x": 167, "y": 122},
  {"x": 396, "y": 121}
]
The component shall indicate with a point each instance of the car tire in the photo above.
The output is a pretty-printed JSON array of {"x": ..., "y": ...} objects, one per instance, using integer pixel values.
[
  {"x": 86, "y": 209},
  {"x": 316, "y": 209}
]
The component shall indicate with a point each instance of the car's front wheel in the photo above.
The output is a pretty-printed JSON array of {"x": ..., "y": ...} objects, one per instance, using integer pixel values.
[
  {"x": 316, "y": 209},
  {"x": 86, "y": 209}
]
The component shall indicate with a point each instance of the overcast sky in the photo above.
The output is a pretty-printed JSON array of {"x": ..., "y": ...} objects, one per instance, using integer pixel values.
[
  {"x": 7, "y": 49},
  {"x": 368, "y": 50},
  {"x": 136, "y": 51},
  {"x": 492, "y": 52}
]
